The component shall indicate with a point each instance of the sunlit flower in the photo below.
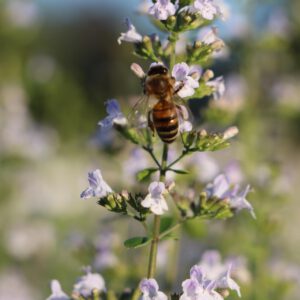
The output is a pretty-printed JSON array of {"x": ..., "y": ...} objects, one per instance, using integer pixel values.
[
  {"x": 115, "y": 116},
  {"x": 218, "y": 86},
  {"x": 98, "y": 187},
  {"x": 187, "y": 79},
  {"x": 150, "y": 290},
  {"x": 89, "y": 283},
  {"x": 223, "y": 189},
  {"x": 162, "y": 9},
  {"x": 207, "y": 8},
  {"x": 155, "y": 199},
  {"x": 57, "y": 292},
  {"x": 226, "y": 281},
  {"x": 131, "y": 35}
]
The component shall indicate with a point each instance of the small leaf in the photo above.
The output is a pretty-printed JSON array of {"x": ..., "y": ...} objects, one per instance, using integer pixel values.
[
  {"x": 145, "y": 174},
  {"x": 179, "y": 171},
  {"x": 166, "y": 223},
  {"x": 136, "y": 242}
]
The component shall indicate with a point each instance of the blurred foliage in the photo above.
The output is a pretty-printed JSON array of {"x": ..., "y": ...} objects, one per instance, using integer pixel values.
[{"x": 65, "y": 70}]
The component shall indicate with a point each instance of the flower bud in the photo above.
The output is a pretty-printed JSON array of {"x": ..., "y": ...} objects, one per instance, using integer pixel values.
[
  {"x": 230, "y": 132},
  {"x": 137, "y": 70},
  {"x": 217, "y": 45},
  {"x": 207, "y": 75}
]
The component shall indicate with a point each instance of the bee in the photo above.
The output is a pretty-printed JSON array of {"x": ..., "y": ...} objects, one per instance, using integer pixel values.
[{"x": 165, "y": 115}]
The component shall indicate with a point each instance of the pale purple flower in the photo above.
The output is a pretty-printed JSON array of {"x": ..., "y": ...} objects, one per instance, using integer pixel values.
[
  {"x": 86, "y": 284},
  {"x": 207, "y": 8},
  {"x": 150, "y": 290},
  {"x": 209, "y": 275},
  {"x": 57, "y": 292},
  {"x": 226, "y": 281},
  {"x": 131, "y": 35},
  {"x": 234, "y": 173},
  {"x": 155, "y": 199},
  {"x": 218, "y": 86},
  {"x": 98, "y": 187},
  {"x": 163, "y": 9},
  {"x": 223, "y": 189},
  {"x": 183, "y": 115},
  {"x": 115, "y": 116},
  {"x": 187, "y": 78}
]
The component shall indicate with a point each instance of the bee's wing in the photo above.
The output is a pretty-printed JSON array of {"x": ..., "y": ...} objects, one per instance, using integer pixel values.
[
  {"x": 183, "y": 109},
  {"x": 138, "y": 115}
]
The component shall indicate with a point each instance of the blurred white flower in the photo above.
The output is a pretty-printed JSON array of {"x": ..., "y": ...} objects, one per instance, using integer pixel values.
[
  {"x": 115, "y": 116},
  {"x": 155, "y": 199},
  {"x": 19, "y": 135},
  {"x": 57, "y": 292},
  {"x": 162, "y": 9},
  {"x": 131, "y": 167},
  {"x": 86, "y": 284},
  {"x": 187, "y": 78},
  {"x": 105, "y": 256},
  {"x": 131, "y": 35},
  {"x": 22, "y": 13},
  {"x": 218, "y": 86},
  {"x": 230, "y": 132},
  {"x": 98, "y": 187},
  {"x": 150, "y": 290},
  {"x": 24, "y": 241},
  {"x": 13, "y": 286},
  {"x": 205, "y": 166},
  {"x": 234, "y": 172}
]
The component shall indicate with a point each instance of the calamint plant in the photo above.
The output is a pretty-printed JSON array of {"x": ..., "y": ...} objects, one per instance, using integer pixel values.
[{"x": 160, "y": 124}]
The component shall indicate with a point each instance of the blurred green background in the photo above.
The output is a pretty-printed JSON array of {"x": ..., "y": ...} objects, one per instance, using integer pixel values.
[{"x": 59, "y": 63}]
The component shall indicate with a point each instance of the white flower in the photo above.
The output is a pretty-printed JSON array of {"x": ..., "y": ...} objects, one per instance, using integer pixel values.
[
  {"x": 88, "y": 283},
  {"x": 131, "y": 36},
  {"x": 163, "y": 9},
  {"x": 149, "y": 288},
  {"x": 98, "y": 187},
  {"x": 187, "y": 79},
  {"x": 155, "y": 199},
  {"x": 115, "y": 116},
  {"x": 218, "y": 86},
  {"x": 57, "y": 292},
  {"x": 183, "y": 115},
  {"x": 207, "y": 8}
]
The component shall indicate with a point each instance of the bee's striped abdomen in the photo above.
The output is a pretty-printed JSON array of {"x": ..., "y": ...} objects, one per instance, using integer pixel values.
[{"x": 165, "y": 120}]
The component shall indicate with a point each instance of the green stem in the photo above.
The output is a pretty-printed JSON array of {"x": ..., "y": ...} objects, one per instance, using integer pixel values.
[
  {"x": 183, "y": 154},
  {"x": 150, "y": 151},
  {"x": 156, "y": 226}
]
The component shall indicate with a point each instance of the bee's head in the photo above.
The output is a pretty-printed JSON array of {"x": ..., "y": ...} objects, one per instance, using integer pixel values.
[{"x": 157, "y": 70}]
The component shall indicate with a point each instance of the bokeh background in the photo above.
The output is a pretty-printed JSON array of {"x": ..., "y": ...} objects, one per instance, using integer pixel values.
[{"x": 59, "y": 63}]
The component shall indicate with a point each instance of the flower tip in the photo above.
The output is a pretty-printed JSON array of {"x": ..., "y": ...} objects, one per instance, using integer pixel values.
[
  {"x": 230, "y": 132},
  {"x": 137, "y": 70}
]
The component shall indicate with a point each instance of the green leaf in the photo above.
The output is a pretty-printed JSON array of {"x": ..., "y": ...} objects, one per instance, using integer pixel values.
[
  {"x": 166, "y": 223},
  {"x": 179, "y": 171},
  {"x": 145, "y": 174},
  {"x": 136, "y": 242}
]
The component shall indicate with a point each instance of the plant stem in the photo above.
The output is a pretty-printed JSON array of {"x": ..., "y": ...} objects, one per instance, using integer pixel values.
[
  {"x": 183, "y": 154},
  {"x": 150, "y": 151},
  {"x": 156, "y": 225}
]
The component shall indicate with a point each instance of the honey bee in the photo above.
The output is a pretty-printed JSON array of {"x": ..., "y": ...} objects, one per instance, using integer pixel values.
[{"x": 165, "y": 115}]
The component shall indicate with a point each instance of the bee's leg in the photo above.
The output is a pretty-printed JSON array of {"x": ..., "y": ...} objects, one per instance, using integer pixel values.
[
  {"x": 179, "y": 88},
  {"x": 150, "y": 122}
]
